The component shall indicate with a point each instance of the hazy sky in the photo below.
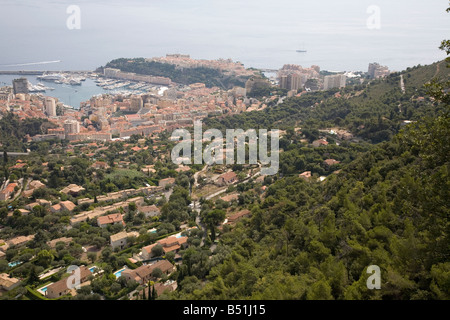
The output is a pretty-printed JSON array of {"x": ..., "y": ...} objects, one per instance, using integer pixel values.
[{"x": 258, "y": 33}]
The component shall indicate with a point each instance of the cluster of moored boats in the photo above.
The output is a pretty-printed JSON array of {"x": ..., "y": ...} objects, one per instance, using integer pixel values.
[
  {"x": 63, "y": 78},
  {"x": 110, "y": 84},
  {"x": 40, "y": 87}
]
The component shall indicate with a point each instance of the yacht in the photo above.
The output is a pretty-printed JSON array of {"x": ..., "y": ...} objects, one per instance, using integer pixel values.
[{"x": 50, "y": 77}]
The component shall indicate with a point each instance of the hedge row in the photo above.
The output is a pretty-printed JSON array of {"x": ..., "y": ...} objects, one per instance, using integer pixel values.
[{"x": 35, "y": 295}]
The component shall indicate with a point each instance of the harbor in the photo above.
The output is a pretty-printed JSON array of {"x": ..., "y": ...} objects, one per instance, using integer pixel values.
[{"x": 73, "y": 88}]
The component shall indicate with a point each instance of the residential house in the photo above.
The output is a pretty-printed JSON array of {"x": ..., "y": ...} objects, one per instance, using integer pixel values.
[
  {"x": 20, "y": 240},
  {"x": 330, "y": 162},
  {"x": 146, "y": 252},
  {"x": 119, "y": 240},
  {"x": 305, "y": 175},
  {"x": 113, "y": 219},
  {"x": 320, "y": 142},
  {"x": 143, "y": 274},
  {"x": 150, "y": 211},
  {"x": 182, "y": 168},
  {"x": 169, "y": 244},
  {"x": 226, "y": 178},
  {"x": 24, "y": 212},
  {"x": 148, "y": 169},
  {"x": 100, "y": 165},
  {"x": 30, "y": 206},
  {"x": 63, "y": 205},
  {"x": 168, "y": 181},
  {"x": 72, "y": 189},
  {"x": 85, "y": 200},
  {"x": 7, "y": 283},
  {"x": 33, "y": 185},
  {"x": 6, "y": 193},
  {"x": 173, "y": 244},
  {"x": 43, "y": 202},
  {"x": 100, "y": 211},
  {"x": 60, "y": 288}
]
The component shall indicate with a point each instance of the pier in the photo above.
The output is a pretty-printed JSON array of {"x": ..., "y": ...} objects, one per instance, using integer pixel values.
[{"x": 39, "y": 73}]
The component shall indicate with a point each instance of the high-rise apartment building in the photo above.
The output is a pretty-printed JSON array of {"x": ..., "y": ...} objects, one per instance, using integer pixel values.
[
  {"x": 334, "y": 81},
  {"x": 293, "y": 81},
  {"x": 50, "y": 106},
  {"x": 375, "y": 70},
  {"x": 20, "y": 85},
  {"x": 71, "y": 126},
  {"x": 136, "y": 103}
]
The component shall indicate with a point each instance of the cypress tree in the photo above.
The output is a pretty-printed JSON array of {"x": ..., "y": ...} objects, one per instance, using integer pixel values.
[{"x": 154, "y": 293}]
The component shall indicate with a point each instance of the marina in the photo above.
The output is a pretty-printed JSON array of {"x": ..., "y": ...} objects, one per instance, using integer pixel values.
[{"x": 73, "y": 88}]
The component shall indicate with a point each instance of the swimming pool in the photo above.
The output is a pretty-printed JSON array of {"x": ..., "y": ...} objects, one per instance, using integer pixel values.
[
  {"x": 92, "y": 269},
  {"x": 43, "y": 289},
  {"x": 13, "y": 264},
  {"x": 118, "y": 273},
  {"x": 178, "y": 235}
]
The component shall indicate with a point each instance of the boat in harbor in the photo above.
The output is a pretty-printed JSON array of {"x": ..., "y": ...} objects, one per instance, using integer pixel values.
[
  {"x": 35, "y": 88},
  {"x": 74, "y": 82},
  {"x": 51, "y": 77},
  {"x": 44, "y": 86}
]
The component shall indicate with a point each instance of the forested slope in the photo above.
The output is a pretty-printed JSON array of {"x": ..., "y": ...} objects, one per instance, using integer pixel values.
[{"x": 387, "y": 206}]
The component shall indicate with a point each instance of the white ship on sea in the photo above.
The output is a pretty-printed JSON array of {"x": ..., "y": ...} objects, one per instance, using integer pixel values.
[{"x": 51, "y": 77}]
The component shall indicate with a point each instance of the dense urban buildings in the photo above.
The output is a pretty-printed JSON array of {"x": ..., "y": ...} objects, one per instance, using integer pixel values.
[
  {"x": 294, "y": 77},
  {"x": 377, "y": 71},
  {"x": 334, "y": 81},
  {"x": 117, "y": 74}
]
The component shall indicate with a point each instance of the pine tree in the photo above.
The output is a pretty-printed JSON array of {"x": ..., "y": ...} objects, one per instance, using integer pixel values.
[{"x": 33, "y": 276}]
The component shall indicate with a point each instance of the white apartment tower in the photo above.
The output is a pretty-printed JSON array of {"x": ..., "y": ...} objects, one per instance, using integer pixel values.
[
  {"x": 71, "y": 126},
  {"x": 50, "y": 106},
  {"x": 334, "y": 81}
]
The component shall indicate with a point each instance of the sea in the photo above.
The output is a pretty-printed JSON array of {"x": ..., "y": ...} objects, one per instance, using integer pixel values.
[{"x": 343, "y": 35}]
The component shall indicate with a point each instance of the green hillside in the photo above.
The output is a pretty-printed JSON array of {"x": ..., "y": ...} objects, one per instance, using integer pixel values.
[
  {"x": 210, "y": 77},
  {"x": 387, "y": 206},
  {"x": 13, "y": 130}
]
